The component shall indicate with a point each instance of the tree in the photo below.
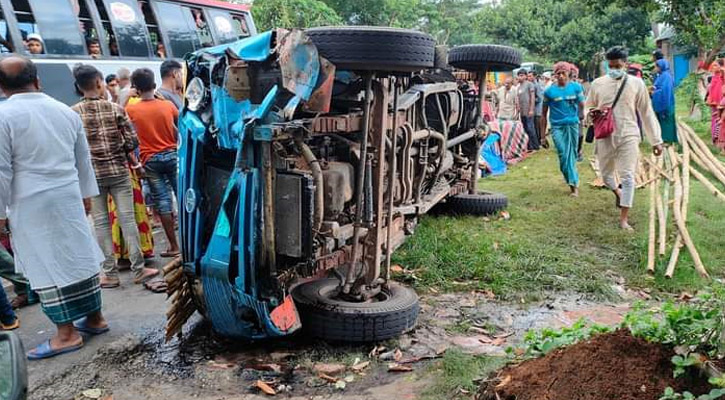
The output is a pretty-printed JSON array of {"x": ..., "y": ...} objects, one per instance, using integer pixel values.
[
  {"x": 269, "y": 14},
  {"x": 697, "y": 22},
  {"x": 563, "y": 29}
]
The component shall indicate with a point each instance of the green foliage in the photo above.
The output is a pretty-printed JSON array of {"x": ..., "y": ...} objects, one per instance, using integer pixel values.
[
  {"x": 696, "y": 325},
  {"x": 697, "y": 22},
  {"x": 671, "y": 395},
  {"x": 540, "y": 342},
  {"x": 563, "y": 30},
  {"x": 689, "y": 93},
  {"x": 681, "y": 363},
  {"x": 269, "y": 14}
]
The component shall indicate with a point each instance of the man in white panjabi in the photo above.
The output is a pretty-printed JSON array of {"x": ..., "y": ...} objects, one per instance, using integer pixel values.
[
  {"x": 46, "y": 181},
  {"x": 618, "y": 155}
]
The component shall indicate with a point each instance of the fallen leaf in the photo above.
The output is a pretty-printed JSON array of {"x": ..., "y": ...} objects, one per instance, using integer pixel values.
[
  {"x": 393, "y": 355},
  {"x": 93, "y": 393},
  {"x": 376, "y": 351},
  {"x": 360, "y": 366},
  {"x": 505, "y": 215},
  {"x": 504, "y": 382},
  {"x": 328, "y": 369},
  {"x": 397, "y": 268},
  {"x": 478, "y": 330},
  {"x": 340, "y": 385},
  {"x": 433, "y": 290},
  {"x": 328, "y": 378},
  {"x": 350, "y": 378},
  {"x": 399, "y": 368},
  {"x": 265, "y": 388},
  {"x": 398, "y": 355}
]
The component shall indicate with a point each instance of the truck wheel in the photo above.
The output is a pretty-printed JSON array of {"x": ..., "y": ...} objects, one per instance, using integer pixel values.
[
  {"x": 483, "y": 203},
  {"x": 394, "y": 311},
  {"x": 489, "y": 57},
  {"x": 374, "y": 48}
]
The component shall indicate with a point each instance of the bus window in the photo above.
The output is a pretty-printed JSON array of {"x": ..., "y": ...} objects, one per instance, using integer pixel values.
[
  {"x": 202, "y": 27},
  {"x": 152, "y": 25},
  {"x": 179, "y": 27},
  {"x": 240, "y": 26},
  {"x": 49, "y": 27},
  {"x": 110, "y": 37},
  {"x": 90, "y": 33},
  {"x": 129, "y": 28},
  {"x": 227, "y": 28},
  {"x": 6, "y": 44}
]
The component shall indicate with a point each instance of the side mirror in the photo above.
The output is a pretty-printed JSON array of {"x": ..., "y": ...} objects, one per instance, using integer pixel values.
[{"x": 13, "y": 372}]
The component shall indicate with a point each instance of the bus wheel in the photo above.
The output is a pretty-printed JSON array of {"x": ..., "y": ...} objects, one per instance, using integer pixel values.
[
  {"x": 325, "y": 316},
  {"x": 374, "y": 48},
  {"x": 484, "y": 57}
]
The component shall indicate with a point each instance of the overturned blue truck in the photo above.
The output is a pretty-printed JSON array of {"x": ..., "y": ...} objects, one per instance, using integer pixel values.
[{"x": 305, "y": 159}]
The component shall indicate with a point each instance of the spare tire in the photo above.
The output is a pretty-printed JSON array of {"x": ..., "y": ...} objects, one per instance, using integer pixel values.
[
  {"x": 374, "y": 48},
  {"x": 488, "y": 57},
  {"x": 482, "y": 203},
  {"x": 324, "y": 316}
]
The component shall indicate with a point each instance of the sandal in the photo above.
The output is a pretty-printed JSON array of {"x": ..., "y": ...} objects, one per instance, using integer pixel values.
[
  {"x": 82, "y": 326},
  {"x": 156, "y": 285},
  {"x": 110, "y": 283},
  {"x": 45, "y": 351},
  {"x": 170, "y": 254}
]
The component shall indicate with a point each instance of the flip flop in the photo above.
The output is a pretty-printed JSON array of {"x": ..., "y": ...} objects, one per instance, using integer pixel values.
[
  {"x": 11, "y": 326},
  {"x": 82, "y": 326},
  {"x": 156, "y": 285},
  {"x": 45, "y": 351},
  {"x": 170, "y": 254}
]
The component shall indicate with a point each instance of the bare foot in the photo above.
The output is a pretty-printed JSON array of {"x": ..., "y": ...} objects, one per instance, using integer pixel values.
[
  {"x": 146, "y": 273},
  {"x": 110, "y": 282},
  {"x": 96, "y": 321}
]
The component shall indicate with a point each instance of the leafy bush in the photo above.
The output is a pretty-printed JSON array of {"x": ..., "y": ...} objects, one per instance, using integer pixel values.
[{"x": 540, "y": 343}]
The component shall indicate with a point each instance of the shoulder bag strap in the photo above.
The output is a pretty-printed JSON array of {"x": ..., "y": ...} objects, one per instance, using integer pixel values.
[{"x": 619, "y": 93}]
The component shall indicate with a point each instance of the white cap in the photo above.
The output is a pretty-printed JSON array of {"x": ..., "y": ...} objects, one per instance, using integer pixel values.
[{"x": 34, "y": 36}]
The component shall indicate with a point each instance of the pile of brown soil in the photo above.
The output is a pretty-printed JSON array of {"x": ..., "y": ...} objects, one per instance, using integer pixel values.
[{"x": 607, "y": 367}]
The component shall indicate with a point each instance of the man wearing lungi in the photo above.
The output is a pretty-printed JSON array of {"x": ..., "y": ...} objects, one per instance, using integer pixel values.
[
  {"x": 618, "y": 154},
  {"x": 46, "y": 182}
]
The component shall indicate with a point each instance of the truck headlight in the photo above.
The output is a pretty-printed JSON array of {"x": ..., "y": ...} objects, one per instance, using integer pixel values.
[{"x": 195, "y": 94}]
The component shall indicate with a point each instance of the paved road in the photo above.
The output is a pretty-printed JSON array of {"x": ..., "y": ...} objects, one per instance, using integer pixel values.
[{"x": 129, "y": 309}]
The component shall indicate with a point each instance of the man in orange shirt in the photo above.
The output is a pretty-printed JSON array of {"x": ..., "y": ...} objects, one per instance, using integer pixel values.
[{"x": 155, "y": 122}]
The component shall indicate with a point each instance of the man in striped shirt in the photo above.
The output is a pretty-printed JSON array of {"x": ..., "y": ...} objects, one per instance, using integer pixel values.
[{"x": 112, "y": 141}]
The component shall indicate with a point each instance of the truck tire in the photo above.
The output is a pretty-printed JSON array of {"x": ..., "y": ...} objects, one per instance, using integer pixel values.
[
  {"x": 327, "y": 318},
  {"x": 488, "y": 57},
  {"x": 483, "y": 203},
  {"x": 374, "y": 48}
]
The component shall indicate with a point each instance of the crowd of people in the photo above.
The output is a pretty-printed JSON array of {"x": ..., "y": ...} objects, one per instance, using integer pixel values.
[
  {"x": 562, "y": 105},
  {"x": 58, "y": 166}
]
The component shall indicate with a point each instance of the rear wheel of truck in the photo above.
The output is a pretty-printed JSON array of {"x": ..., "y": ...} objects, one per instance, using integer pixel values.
[
  {"x": 392, "y": 312},
  {"x": 484, "y": 57},
  {"x": 374, "y": 48},
  {"x": 482, "y": 203}
]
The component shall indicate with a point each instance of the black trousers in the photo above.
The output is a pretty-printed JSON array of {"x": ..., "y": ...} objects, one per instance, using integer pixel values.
[{"x": 534, "y": 143}]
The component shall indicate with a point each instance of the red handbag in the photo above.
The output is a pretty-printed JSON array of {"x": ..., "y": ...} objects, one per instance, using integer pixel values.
[{"x": 603, "y": 119}]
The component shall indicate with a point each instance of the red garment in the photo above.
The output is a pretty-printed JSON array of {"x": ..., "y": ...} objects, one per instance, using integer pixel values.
[{"x": 714, "y": 91}]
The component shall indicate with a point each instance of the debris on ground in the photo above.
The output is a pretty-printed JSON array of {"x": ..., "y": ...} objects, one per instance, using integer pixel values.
[
  {"x": 265, "y": 388},
  {"x": 328, "y": 369},
  {"x": 609, "y": 366}
]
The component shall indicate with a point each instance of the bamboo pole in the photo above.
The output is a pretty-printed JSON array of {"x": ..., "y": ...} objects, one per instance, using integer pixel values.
[
  {"x": 656, "y": 165},
  {"x": 677, "y": 212},
  {"x": 704, "y": 162},
  {"x": 652, "y": 221},
  {"x": 685, "y": 204},
  {"x": 662, "y": 219},
  {"x": 700, "y": 177},
  {"x": 704, "y": 149}
]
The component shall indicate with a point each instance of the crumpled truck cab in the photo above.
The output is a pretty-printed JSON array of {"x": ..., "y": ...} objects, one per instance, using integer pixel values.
[{"x": 306, "y": 158}]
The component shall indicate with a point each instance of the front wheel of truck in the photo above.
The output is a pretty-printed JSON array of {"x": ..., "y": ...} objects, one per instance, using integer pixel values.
[{"x": 325, "y": 316}]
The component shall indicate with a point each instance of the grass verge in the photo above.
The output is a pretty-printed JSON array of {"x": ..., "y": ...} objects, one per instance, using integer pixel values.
[
  {"x": 457, "y": 372},
  {"x": 556, "y": 243}
]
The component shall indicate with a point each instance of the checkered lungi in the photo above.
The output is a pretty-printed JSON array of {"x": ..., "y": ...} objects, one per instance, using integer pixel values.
[{"x": 73, "y": 302}]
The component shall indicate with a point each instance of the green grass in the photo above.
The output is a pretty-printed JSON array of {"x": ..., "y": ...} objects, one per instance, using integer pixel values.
[
  {"x": 458, "y": 371},
  {"x": 555, "y": 243}
]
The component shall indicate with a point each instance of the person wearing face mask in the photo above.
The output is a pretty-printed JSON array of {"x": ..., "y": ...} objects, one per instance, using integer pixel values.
[{"x": 618, "y": 154}]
